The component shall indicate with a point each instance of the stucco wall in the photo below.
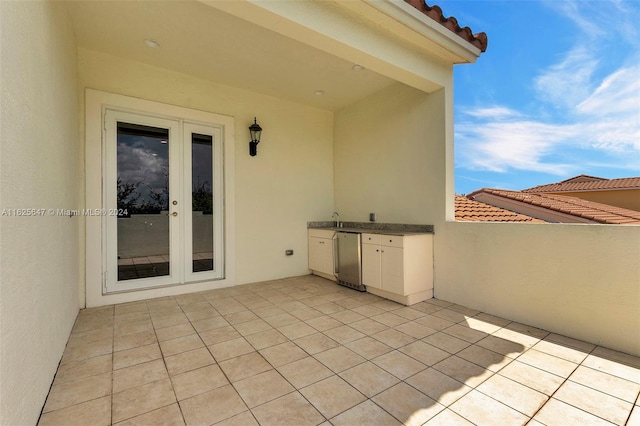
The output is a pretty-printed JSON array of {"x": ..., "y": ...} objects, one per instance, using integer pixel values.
[
  {"x": 39, "y": 164},
  {"x": 389, "y": 157},
  {"x": 288, "y": 183},
  {"x": 582, "y": 281}
]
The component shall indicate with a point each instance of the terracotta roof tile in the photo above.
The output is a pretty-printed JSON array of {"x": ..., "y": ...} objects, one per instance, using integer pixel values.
[
  {"x": 474, "y": 211},
  {"x": 586, "y": 183},
  {"x": 601, "y": 213},
  {"x": 434, "y": 12}
]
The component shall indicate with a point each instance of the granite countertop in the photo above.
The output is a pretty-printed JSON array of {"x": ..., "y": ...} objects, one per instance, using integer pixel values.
[{"x": 374, "y": 227}]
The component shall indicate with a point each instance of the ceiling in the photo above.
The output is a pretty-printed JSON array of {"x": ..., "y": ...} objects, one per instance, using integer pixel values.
[{"x": 202, "y": 41}]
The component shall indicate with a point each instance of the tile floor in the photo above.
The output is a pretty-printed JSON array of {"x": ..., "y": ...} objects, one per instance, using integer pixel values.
[{"x": 305, "y": 351}]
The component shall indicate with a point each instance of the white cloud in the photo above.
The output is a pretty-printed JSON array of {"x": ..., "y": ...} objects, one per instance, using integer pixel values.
[{"x": 495, "y": 112}]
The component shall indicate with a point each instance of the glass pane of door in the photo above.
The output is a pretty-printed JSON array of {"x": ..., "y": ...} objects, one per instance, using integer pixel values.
[
  {"x": 143, "y": 234},
  {"x": 202, "y": 202}
]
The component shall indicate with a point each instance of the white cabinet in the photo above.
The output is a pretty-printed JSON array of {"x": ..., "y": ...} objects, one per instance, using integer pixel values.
[
  {"x": 321, "y": 252},
  {"x": 399, "y": 268}
]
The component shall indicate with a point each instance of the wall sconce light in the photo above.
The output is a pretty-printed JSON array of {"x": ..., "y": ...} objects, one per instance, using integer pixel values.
[{"x": 255, "y": 131}]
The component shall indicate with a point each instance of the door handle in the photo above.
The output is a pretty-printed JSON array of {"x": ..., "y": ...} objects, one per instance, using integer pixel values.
[{"x": 172, "y": 214}]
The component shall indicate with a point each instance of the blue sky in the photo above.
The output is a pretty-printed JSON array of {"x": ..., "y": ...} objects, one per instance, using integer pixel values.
[{"x": 556, "y": 94}]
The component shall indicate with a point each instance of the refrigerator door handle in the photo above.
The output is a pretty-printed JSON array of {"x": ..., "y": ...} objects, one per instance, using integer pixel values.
[{"x": 336, "y": 262}]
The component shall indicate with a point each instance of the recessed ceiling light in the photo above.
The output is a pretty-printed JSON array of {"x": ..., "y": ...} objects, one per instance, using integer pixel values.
[
  {"x": 357, "y": 67},
  {"x": 319, "y": 92},
  {"x": 152, "y": 43}
]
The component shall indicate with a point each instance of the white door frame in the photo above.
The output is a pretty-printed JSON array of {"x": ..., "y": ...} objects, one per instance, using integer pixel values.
[{"x": 97, "y": 102}]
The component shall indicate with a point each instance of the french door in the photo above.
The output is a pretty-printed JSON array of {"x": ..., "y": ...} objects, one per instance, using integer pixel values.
[{"x": 163, "y": 215}]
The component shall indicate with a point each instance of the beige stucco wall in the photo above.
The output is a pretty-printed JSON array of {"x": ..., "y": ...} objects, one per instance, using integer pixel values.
[
  {"x": 288, "y": 183},
  {"x": 582, "y": 281},
  {"x": 389, "y": 157},
  {"x": 39, "y": 164}
]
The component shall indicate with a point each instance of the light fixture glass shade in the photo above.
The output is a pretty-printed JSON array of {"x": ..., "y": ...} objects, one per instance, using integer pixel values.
[{"x": 255, "y": 131}]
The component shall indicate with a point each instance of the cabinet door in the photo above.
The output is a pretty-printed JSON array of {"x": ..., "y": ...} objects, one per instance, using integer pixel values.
[
  {"x": 371, "y": 265},
  {"x": 392, "y": 270},
  {"x": 321, "y": 255}
]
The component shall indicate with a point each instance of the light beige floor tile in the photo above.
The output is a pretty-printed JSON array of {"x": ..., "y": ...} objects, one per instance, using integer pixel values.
[
  {"x": 448, "y": 418},
  {"x": 368, "y": 347},
  {"x": 569, "y": 342},
  {"x": 483, "y": 410},
  {"x": 304, "y": 372},
  {"x": 369, "y": 311},
  {"x": 281, "y": 320},
  {"x": 263, "y": 387},
  {"x": 480, "y": 325},
  {"x": 163, "y": 320},
  {"x": 131, "y": 328},
  {"x": 606, "y": 383},
  {"x": 140, "y": 374},
  {"x": 166, "y": 416},
  {"x": 446, "y": 342},
  {"x": 624, "y": 371},
  {"x": 502, "y": 346},
  {"x": 559, "y": 413},
  {"x": 519, "y": 397},
  {"x": 502, "y": 322},
  {"x": 463, "y": 371},
  {"x": 209, "y": 323},
  {"x": 332, "y": 396},
  {"x": 306, "y": 314},
  {"x": 634, "y": 418},
  {"x": 465, "y": 333},
  {"x": 217, "y": 335},
  {"x": 463, "y": 309},
  {"x": 597, "y": 403},
  {"x": 550, "y": 363},
  {"x": 328, "y": 308},
  {"x": 77, "y": 370},
  {"x": 408, "y": 405},
  {"x": 484, "y": 357},
  {"x": 252, "y": 327},
  {"x": 297, "y": 330},
  {"x": 389, "y": 319},
  {"x": 434, "y": 322},
  {"x": 202, "y": 314},
  {"x": 230, "y": 349},
  {"x": 82, "y": 352},
  {"x": 77, "y": 391},
  {"x": 347, "y": 316},
  {"x": 451, "y": 315},
  {"x": 409, "y": 313},
  {"x": 529, "y": 330},
  {"x": 387, "y": 305},
  {"x": 213, "y": 406},
  {"x": 315, "y": 343},
  {"x": 268, "y": 311},
  {"x": 181, "y": 344},
  {"x": 283, "y": 353},
  {"x": 243, "y": 419},
  {"x": 415, "y": 329},
  {"x": 134, "y": 356},
  {"x": 89, "y": 336},
  {"x": 142, "y": 399},
  {"x": 324, "y": 322},
  {"x": 265, "y": 339},
  {"x": 339, "y": 359},
  {"x": 134, "y": 340},
  {"x": 427, "y": 308},
  {"x": 620, "y": 357},
  {"x": 239, "y": 317},
  {"x": 438, "y": 386},
  {"x": 424, "y": 352},
  {"x": 244, "y": 366},
  {"x": 344, "y": 334},
  {"x": 365, "y": 413},
  {"x": 198, "y": 381},
  {"x": 369, "y": 326},
  {"x": 369, "y": 379},
  {"x": 131, "y": 317},
  {"x": 560, "y": 351},
  {"x": 524, "y": 339},
  {"x": 187, "y": 361},
  {"x": 399, "y": 364},
  {"x": 532, "y": 377},
  {"x": 289, "y": 410},
  {"x": 95, "y": 412},
  {"x": 174, "y": 331},
  {"x": 393, "y": 338}
]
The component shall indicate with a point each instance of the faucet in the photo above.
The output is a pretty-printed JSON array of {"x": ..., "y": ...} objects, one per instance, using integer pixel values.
[{"x": 338, "y": 225}]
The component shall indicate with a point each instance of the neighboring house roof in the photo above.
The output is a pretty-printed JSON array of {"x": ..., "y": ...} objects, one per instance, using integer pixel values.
[
  {"x": 434, "y": 12},
  {"x": 474, "y": 211},
  {"x": 583, "y": 210},
  {"x": 587, "y": 183}
]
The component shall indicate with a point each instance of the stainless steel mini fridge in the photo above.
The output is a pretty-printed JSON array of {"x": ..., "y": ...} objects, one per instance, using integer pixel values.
[{"x": 349, "y": 260}]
